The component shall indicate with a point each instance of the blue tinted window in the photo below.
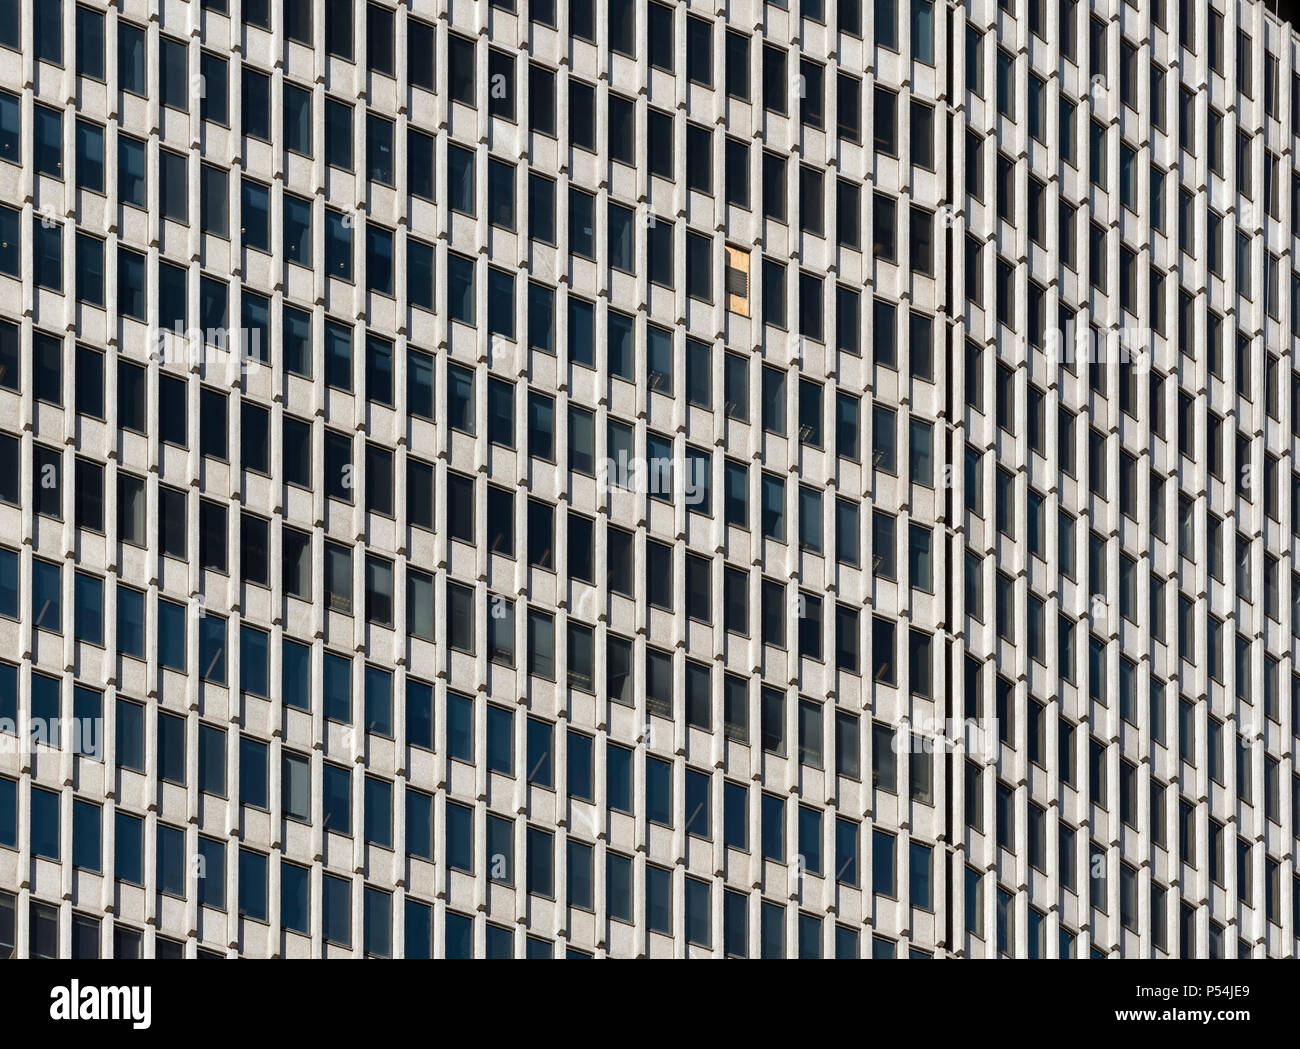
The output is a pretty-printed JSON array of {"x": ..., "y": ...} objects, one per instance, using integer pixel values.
[
  {"x": 460, "y": 179},
  {"x": 338, "y": 356},
  {"x": 460, "y": 289},
  {"x": 295, "y": 883},
  {"x": 419, "y": 929},
  {"x": 923, "y": 30},
  {"x": 772, "y": 931},
  {"x": 460, "y": 837},
  {"x": 621, "y": 350},
  {"x": 379, "y": 811},
  {"x": 212, "y": 647},
  {"x": 500, "y": 849},
  {"x": 501, "y": 302},
  {"x": 919, "y": 880},
  {"x": 618, "y": 886},
  {"x": 882, "y": 863},
  {"x": 130, "y": 735},
  {"x": 87, "y": 708},
  {"x": 8, "y": 697},
  {"x": 336, "y": 789},
  {"x": 255, "y": 215},
  {"x": 336, "y": 687},
  {"x": 171, "y": 635},
  {"x": 541, "y": 735},
  {"x": 419, "y": 824},
  {"x": 377, "y": 911},
  {"x": 47, "y": 609},
  {"x": 338, "y": 134},
  {"x": 419, "y": 714},
  {"x": 698, "y": 918},
  {"x": 8, "y": 584},
  {"x": 130, "y": 622},
  {"x": 212, "y": 873},
  {"x": 499, "y": 942},
  {"x": 173, "y": 75},
  {"x": 379, "y": 370},
  {"x": 171, "y": 860},
  {"x": 846, "y": 942},
  {"x": 8, "y": 813},
  {"x": 460, "y": 398},
  {"x": 212, "y": 760},
  {"x": 47, "y": 255},
  {"x": 810, "y": 839},
  {"x": 379, "y": 259},
  {"x": 460, "y": 936},
  {"x": 540, "y": 861},
  {"x": 659, "y": 358},
  {"x": 128, "y": 847},
  {"x": 698, "y": 806},
  {"x": 45, "y": 709},
  {"x": 578, "y": 763},
  {"x": 130, "y": 172},
  {"x": 773, "y": 816},
  {"x": 130, "y": 58},
  {"x": 810, "y": 936},
  {"x": 582, "y": 332},
  {"x": 846, "y": 852},
  {"x": 214, "y": 104},
  {"x": 735, "y": 924},
  {"x": 10, "y": 241},
  {"x": 171, "y": 748},
  {"x": 379, "y": 701},
  {"x": 295, "y": 675},
  {"x": 297, "y": 229},
  {"x": 90, "y": 269},
  {"x": 90, "y": 156},
  {"x": 48, "y": 141},
  {"x": 254, "y": 658},
  {"x": 618, "y": 778},
  {"x": 338, "y": 245},
  {"x": 336, "y": 910},
  {"x": 296, "y": 346},
  {"x": 500, "y": 740},
  {"x": 419, "y": 384},
  {"x": 659, "y": 791},
  {"x": 419, "y": 274},
  {"x": 735, "y": 815},
  {"x": 252, "y": 885},
  {"x": 253, "y": 786},
  {"x": 460, "y": 726},
  {"x": 88, "y": 609},
  {"x": 9, "y": 125},
  {"x": 579, "y": 874}
]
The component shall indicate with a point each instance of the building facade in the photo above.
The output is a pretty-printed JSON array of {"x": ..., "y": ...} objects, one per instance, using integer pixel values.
[{"x": 545, "y": 479}]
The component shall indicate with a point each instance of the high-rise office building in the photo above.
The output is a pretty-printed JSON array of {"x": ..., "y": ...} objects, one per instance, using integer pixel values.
[{"x": 609, "y": 477}]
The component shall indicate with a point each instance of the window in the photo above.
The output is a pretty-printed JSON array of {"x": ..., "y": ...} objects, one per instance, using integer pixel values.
[
  {"x": 90, "y": 159},
  {"x": 173, "y": 78},
  {"x": 774, "y": 79}
]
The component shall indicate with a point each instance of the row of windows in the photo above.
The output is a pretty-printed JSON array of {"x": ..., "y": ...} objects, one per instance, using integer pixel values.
[
  {"x": 500, "y": 838},
  {"x": 459, "y": 935},
  {"x": 619, "y": 119},
  {"x": 500, "y": 941},
  {"x": 662, "y": 567},
  {"x": 171, "y": 621},
  {"x": 381, "y": 50},
  {"x": 538, "y": 876},
  {"x": 336, "y": 685},
  {"x": 381, "y": 29}
]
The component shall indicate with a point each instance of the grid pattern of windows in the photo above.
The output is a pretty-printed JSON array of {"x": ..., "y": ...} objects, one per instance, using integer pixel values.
[{"x": 547, "y": 512}]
